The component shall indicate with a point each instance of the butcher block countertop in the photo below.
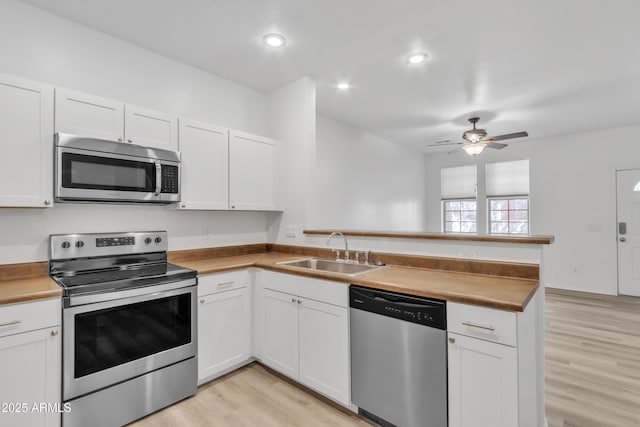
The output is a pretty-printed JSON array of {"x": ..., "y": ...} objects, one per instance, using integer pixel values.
[
  {"x": 504, "y": 293},
  {"x": 28, "y": 289},
  {"x": 29, "y": 281}
]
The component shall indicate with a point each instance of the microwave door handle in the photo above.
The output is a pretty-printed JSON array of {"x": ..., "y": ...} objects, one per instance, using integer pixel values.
[{"x": 158, "y": 179}]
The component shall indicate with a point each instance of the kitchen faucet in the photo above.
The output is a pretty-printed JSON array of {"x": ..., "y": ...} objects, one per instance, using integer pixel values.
[{"x": 346, "y": 246}]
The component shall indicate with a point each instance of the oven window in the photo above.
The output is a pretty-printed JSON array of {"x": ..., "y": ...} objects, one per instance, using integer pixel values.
[
  {"x": 113, "y": 336},
  {"x": 104, "y": 173}
]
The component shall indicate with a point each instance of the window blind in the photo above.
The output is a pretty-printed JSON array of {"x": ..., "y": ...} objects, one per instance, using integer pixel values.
[
  {"x": 507, "y": 178},
  {"x": 458, "y": 182}
]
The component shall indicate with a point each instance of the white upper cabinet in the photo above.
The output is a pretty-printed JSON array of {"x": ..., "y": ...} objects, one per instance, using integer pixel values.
[
  {"x": 26, "y": 139},
  {"x": 253, "y": 172},
  {"x": 150, "y": 128},
  {"x": 82, "y": 114},
  {"x": 205, "y": 165},
  {"x": 88, "y": 115}
]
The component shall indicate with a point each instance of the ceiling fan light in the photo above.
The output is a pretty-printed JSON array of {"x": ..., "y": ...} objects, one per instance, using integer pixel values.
[{"x": 473, "y": 149}]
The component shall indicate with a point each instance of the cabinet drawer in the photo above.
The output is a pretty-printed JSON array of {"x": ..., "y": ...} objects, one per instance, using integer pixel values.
[
  {"x": 28, "y": 316},
  {"x": 218, "y": 282},
  {"x": 481, "y": 322}
]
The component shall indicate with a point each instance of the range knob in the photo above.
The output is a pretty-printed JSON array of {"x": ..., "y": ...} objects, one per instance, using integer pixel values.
[
  {"x": 66, "y": 245},
  {"x": 158, "y": 240},
  {"x": 147, "y": 240},
  {"x": 79, "y": 244}
]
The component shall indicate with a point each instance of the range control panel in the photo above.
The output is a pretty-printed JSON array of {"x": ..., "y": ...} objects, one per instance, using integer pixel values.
[{"x": 65, "y": 246}]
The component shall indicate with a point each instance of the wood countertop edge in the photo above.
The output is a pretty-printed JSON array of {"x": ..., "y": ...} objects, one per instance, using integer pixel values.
[
  {"x": 47, "y": 288},
  {"x": 493, "y": 238}
]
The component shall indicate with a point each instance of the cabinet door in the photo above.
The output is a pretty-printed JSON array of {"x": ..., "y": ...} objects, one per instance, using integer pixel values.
[
  {"x": 483, "y": 383},
  {"x": 26, "y": 139},
  {"x": 253, "y": 172},
  {"x": 88, "y": 115},
  {"x": 151, "y": 128},
  {"x": 205, "y": 166},
  {"x": 324, "y": 349},
  {"x": 30, "y": 371},
  {"x": 280, "y": 332},
  {"x": 224, "y": 331}
]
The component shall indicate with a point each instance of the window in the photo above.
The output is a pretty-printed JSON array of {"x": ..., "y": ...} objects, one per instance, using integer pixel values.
[
  {"x": 458, "y": 193},
  {"x": 508, "y": 197},
  {"x": 460, "y": 216},
  {"x": 509, "y": 216}
]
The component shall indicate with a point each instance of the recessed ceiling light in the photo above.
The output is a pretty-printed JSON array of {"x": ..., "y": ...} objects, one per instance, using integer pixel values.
[
  {"x": 417, "y": 58},
  {"x": 343, "y": 86},
  {"x": 274, "y": 40}
]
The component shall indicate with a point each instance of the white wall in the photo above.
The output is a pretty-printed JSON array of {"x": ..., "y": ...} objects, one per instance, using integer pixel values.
[
  {"x": 292, "y": 117},
  {"x": 573, "y": 197},
  {"x": 364, "y": 182},
  {"x": 40, "y": 46}
]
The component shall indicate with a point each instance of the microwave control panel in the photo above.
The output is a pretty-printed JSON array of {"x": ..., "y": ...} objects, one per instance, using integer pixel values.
[{"x": 170, "y": 179}]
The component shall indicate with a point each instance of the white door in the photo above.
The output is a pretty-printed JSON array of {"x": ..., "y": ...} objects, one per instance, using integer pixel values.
[
  {"x": 483, "y": 383},
  {"x": 253, "y": 172},
  {"x": 88, "y": 115},
  {"x": 30, "y": 371},
  {"x": 150, "y": 128},
  {"x": 280, "y": 339},
  {"x": 628, "y": 229},
  {"x": 26, "y": 139},
  {"x": 205, "y": 166},
  {"x": 324, "y": 349},
  {"x": 224, "y": 331}
]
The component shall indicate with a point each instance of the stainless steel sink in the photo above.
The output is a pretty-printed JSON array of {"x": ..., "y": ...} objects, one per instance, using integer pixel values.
[{"x": 331, "y": 265}]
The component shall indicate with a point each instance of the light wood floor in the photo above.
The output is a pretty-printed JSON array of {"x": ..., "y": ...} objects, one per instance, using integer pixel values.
[
  {"x": 592, "y": 348},
  {"x": 252, "y": 397}
]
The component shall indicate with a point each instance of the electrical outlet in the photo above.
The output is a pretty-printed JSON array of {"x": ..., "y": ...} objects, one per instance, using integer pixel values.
[
  {"x": 206, "y": 232},
  {"x": 291, "y": 231},
  {"x": 470, "y": 254}
]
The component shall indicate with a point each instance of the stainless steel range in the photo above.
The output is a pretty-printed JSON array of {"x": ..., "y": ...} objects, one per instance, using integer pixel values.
[{"x": 128, "y": 323}]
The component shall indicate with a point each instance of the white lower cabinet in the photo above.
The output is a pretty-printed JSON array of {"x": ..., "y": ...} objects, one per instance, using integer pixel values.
[
  {"x": 30, "y": 364},
  {"x": 305, "y": 338},
  {"x": 494, "y": 374},
  {"x": 224, "y": 323},
  {"x": 483, "y": 383}
]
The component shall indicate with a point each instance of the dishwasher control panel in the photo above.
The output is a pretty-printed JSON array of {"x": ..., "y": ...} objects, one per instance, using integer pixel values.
[{"x": 424, "y": 311}]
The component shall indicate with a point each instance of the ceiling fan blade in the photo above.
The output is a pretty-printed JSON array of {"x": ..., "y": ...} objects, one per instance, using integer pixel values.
[
  {"x": 448, "y": 143},
  {"x": 454, "y": 150},
  {"x": 497, "y": 145},
  {"x": 506, "y": 136}
]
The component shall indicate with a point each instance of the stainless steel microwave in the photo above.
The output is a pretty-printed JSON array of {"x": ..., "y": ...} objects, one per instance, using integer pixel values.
[{"x": 97, "y": 170}]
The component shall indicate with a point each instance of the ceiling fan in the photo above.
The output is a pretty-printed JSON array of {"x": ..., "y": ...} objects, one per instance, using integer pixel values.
[{"x": 476, "y": 139}]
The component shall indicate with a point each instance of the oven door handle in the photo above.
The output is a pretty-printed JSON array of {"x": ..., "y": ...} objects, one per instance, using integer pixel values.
[
  {"x": 117, "y": 298},
  {"x": 158, "y": 179}
]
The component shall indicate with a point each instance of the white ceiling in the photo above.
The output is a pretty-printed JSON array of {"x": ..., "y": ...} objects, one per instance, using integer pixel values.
[{"x": 550, "y": 67}]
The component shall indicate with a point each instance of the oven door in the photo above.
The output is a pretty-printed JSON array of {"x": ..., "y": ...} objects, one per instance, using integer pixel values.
[
  {"x": 85, "y": 175},
  {"x": 108, "y": 342}
]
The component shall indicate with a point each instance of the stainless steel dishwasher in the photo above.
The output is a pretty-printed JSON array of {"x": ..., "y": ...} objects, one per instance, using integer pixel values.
[{"x": 398, "y": 358}]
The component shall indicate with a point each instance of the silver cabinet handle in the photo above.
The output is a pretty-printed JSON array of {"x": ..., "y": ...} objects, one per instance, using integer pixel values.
[
  {"x": 13, "y": 322},
  {"x": 129, "y": 140},
  {"x": 120, "y": 139},
  {"x": 47, "y": 202},
  {"x": 623, "y": 239},
  {"x": 293, "y": 300},
  {"x": 54, "y": 332},
  {"x": 202, "y": 301},
  {"x": 183, "y": 205},
  {"x": 158, "y": 179},
  {"x": 452, "y": 340},
  {"x": 226, "y": 283},
  {"x": 475, "y": 325},
  {"x": 299, "y": 301}
]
